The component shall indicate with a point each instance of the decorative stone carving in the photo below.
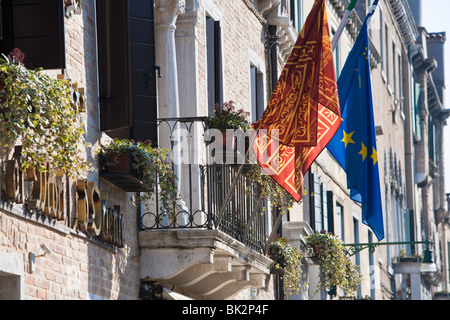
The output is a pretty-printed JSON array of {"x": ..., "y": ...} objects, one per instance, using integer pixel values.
[{"x": 168, "y": 11}]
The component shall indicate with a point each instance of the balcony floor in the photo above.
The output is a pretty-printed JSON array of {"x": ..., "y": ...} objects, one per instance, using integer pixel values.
[{"x": 201, "y": 264}]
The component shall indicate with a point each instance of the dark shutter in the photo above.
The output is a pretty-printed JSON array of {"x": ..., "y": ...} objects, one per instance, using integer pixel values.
[
  {"x": 37, "y": 29},
  {"x": 1, "y": 20},
  {"x": 210, "y": 64},
  {"x": 218, "y": 62},
  {"x": 214, "y": 63},
  {"x": 127, "y": 69},
  {"x": 112, "y": 28},
  {"x": 330, "y": 209},
  {"x": 143, "y": 70}
]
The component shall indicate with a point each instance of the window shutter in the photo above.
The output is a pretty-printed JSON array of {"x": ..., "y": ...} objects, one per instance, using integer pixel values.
[
  {"x": 113, "y": 67},
  {"x": 1, "y": 20},
  {"x": 127, "y": 69},
  {"x": 330, "y": 209},
  {"x": 214, "y": 63},
  {"x": 324, "y": 198},
  {"x": 37, "y": 29},
  {"x": 218, "y": 61},
  {"x": 317, "y": 203},
  {"x": 143, "y": 70}
]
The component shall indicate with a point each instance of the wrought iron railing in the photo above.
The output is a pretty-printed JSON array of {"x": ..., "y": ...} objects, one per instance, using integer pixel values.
[{"x": 204, "y": 187}]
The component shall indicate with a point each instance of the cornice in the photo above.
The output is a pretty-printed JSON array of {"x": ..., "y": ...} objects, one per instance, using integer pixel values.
[{"x": 405, "y": 20}]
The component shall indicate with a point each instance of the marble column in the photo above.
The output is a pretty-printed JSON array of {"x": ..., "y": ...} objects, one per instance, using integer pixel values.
[
  {"x": 166, "y": 14},
  {"x": 186, "y": 41}
]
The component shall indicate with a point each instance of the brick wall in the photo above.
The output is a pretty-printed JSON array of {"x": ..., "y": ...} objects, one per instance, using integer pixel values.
[
  {"x": 78, "y": 266},
  {"x": 241, "y": 30}
]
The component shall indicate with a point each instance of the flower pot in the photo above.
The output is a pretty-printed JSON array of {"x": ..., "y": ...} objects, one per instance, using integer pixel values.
[
  {"x": 318, "y": 250},
  {"x": 123, "y": 174},
  {"x": 277, "y": 271}
]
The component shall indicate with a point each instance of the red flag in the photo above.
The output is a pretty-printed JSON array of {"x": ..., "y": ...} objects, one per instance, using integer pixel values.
[{"x": 304, "y": 107}]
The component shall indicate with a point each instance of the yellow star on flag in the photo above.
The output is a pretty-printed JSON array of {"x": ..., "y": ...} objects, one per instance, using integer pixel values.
[
  {"x": 348, "y": 138},
  {"x": 374, "y": 156},
  {"x": 363, "y": 152}
]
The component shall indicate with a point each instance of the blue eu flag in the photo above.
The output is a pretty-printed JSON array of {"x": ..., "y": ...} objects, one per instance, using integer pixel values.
[{"x": 354, "y": 145}]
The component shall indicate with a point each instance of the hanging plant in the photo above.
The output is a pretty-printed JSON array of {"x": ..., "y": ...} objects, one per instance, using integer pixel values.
[
  {"x": 335, "y": 267},
  {"x": 288, "y": 260},
  {"x": 276, "y": 194},
  {"x": 152, "y": 163},
  {"x": 36, "y": 111}
]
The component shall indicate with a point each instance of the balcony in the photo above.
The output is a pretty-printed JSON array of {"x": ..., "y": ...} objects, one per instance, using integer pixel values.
[{"x": 216, "y": 244}]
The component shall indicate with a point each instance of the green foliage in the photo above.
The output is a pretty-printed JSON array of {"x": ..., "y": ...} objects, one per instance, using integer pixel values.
[
  {"x": 155, "y": 167},
  {"x": 228, "y": 118},
  {"x": 276, "y": 194},
  {"x": 335, "y": 267},
  {"x": 289, "y": 259},
  {"x": 37, "y": 110}
]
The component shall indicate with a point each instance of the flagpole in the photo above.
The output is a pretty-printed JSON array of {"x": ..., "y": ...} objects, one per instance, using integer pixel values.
[{"x": 341, "y": 27}]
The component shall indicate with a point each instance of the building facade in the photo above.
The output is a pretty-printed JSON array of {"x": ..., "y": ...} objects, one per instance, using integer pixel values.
[{"x": 154, "y": 70}]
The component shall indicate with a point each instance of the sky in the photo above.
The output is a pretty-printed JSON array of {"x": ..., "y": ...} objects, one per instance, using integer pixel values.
[{"x": 435, "y": 17}]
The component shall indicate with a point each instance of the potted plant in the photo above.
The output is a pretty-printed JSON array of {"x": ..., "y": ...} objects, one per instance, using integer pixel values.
[
  {"x": 143, "y": 162},
  {"x": 36, "y": 111},
  {"x": 288, "y": 263},
  {"x": 227, "y": 117},
  {"x": 335, "y": 267},
  {"x": 276, "y": 194}
]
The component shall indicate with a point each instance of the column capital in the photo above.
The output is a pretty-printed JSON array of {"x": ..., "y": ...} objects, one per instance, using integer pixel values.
[{"x": 167, "y": 11}]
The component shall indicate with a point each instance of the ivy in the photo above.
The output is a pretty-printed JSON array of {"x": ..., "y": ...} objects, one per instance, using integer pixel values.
[
  {"x": 336, "y": 269},
  {"x": 289, "y": 259},
  {"x": 36, "y": 111},
  {"x": 156, "y": 169},
  {"x": 276, "y": 194}
]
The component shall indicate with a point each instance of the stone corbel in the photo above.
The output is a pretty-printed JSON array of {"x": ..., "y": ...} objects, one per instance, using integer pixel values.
[
  {"x": 421, "y": 179},
  {"x": 266, "y": 6}
]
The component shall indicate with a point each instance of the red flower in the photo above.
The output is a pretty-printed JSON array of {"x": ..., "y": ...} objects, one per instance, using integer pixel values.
[{"x": 17, "y": 55}]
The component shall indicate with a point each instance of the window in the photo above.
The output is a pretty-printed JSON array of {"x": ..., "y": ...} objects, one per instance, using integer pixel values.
[
  {"x": 382, "y": 42},
  {"x": 367, "y": 11},
  {"x": 409, "y": 231},
  {"x": 394, "y": 70},
  {"x": 400, "y": 81},
  {"x": 415, "y": 105},
  {"x": 257, "y": 93},
  {"x": 320, "y": 215},
  {"x": 448, "y": 259},
  {"x": 127, "y": 70},
  {"x": 356, "y": 240},
  {"x": 214, "y": 63},
  {"x": 330, "y": 211},
  {"x": 37, "y": 29},
  {"x": 339, "y": 217},
  {"x": 371, "y": 268},
  {"x": 11, "y": 276},
  {"x": 386, "y": 57},
  {"x": 295, "y": 14},
  {"x": 336, "y": 56},
  {"x": 432, "y": 140}
]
